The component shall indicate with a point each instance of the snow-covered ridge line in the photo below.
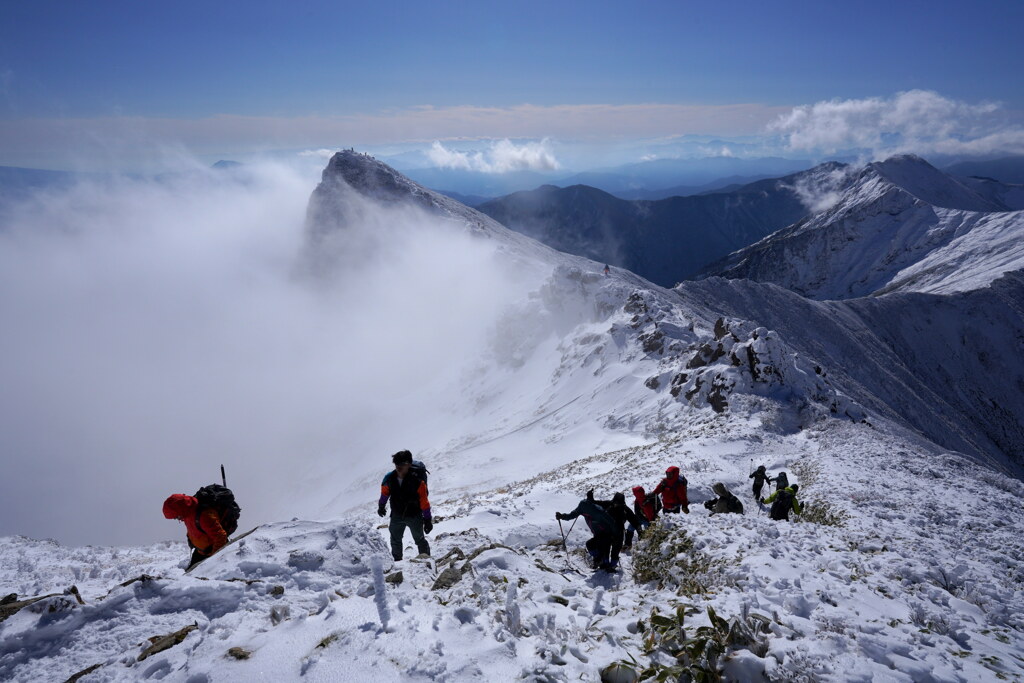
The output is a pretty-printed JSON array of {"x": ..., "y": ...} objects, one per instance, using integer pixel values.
[{"x": 900, "y": 225}]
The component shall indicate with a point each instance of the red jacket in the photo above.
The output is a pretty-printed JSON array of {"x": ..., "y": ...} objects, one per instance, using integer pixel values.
[
  {"x": 204, "y": 530},
  {"x": 643, "y": 505},
  {"x": 672, "y": 489}
]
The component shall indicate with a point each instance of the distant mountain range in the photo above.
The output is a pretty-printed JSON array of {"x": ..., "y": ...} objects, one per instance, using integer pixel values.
[
  {"x": 666, "y": 240},
  {"x": 654, "y": 179},
  {"x": 900, "y": 222}
]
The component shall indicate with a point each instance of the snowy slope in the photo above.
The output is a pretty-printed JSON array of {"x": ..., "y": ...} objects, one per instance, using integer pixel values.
[
  {"x": 921, "y": 583},
  {"x": 600, "y": 381},
  {"x": 902, "y": 225}
]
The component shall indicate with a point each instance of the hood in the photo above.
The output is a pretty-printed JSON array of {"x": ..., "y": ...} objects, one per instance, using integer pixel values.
[
  {"x": 720, "y": 489},
  {"x": 638, "y": 492},
  {"x": 619, "y": 499},
  {"x": 179, "y": 505},
  {"x": 672, "y": 472}
]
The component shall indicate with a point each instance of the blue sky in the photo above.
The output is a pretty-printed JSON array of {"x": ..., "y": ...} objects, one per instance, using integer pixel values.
[{"x": 237, "y": 78}]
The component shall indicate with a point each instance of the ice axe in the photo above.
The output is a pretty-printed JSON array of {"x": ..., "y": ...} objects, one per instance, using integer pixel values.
[{"x": 223, "y": 478}]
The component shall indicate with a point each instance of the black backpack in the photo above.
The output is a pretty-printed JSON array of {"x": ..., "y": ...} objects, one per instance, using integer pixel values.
[
  {"x": 420, "y": 470},
  {"x": 781, "y": 481},
  {"x": 222, "y": 500},
  {"x": 782, "y": 504},
  {"x": 734, "y": 504}
]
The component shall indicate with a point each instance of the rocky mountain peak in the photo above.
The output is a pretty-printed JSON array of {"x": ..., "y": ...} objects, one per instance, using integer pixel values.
[{"x": 917, "y": 177}]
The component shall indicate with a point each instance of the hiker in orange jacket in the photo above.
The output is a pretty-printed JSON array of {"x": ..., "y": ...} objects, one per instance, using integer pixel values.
[
  {"x": 205, "y": 533},
  {"x": 673, "y": 491}
]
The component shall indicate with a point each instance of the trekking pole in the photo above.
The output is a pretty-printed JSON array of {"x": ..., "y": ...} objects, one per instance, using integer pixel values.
[
  {"x": 222, "y": 477},
  {"x": 565, "y": 535}
]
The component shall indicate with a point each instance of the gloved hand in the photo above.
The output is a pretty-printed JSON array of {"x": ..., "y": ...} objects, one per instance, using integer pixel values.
[
  {"x": 559, "y": 516},
  {"x": 380, "y": 511},
  {"x": 428, "y": 526},
  {"x": 761, "y": 500}
]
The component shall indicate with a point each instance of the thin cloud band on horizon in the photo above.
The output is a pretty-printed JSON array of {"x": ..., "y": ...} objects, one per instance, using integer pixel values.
[
  {"x": 918, "y": 121},
  {"x": 34, "y": 141}
]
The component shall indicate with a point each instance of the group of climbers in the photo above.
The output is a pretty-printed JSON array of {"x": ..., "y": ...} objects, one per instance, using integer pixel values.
[
  {"x": 783, "y": 499},
  {"x": 607, "y": 519},
  {"x": 211, "y": 515}
]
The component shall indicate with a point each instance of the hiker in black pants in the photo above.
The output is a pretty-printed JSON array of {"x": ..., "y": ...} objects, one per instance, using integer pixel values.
[
  {"x": 620, "y": 514},
  {"x": 760, "y": 476},
  {"x": 782, "y": 502},
  {"x": 601, "y": 526},
  {"x": 410, "y": 508}
]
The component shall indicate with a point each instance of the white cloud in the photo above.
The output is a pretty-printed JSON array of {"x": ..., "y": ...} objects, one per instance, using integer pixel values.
[
  {"x": 322, "y": 153},
  {"x": 917, "y": 121},
  {"x": 821, "y": 191},
  {"x": 503, "y": 156},
  {"x": 153, "y": 329}
]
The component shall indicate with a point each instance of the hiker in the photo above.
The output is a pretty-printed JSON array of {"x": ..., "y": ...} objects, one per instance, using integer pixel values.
[
  {"x": 410, "y": 509},
  {"x": 781, "y": 481},
  {"x": 607, "y": 269},
  {"x": 204, "y": 531},
  {"x": 620, "y": 514},
  {"x": 673, "y": 491},
  {"x": 760, "y": 476},
  {"x": 726, "y": 501},
  {"x": 645, "y": 507},
  {"x": 782, "y": 502},
  {"x": 601, "y": 525}
]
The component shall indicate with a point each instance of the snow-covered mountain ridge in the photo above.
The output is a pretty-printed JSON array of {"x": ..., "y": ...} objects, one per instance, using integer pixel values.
[
  {"x": 900, "y": 225},
  {"x": 910, "y": 571}
]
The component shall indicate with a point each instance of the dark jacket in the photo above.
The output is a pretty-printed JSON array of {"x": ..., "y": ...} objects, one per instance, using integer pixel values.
[
  {"x": 760, "y": 477},
  {"x": 408, "y": 498},
  {"x": 619, "y": 512},
  {"x": 726, "y": 501},
  {"x": 596, "y": 517}
]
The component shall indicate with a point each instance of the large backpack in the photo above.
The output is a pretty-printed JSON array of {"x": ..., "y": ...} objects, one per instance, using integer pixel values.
[
  {"x": 420, "y": 470},
  {"x": 222, "y": 500},
  {"x": 781, "y": 481},
  {"x": 651, "y": 506},
  {"x": 734, "y": 504},
  {"x": 782, "y": 504}
]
